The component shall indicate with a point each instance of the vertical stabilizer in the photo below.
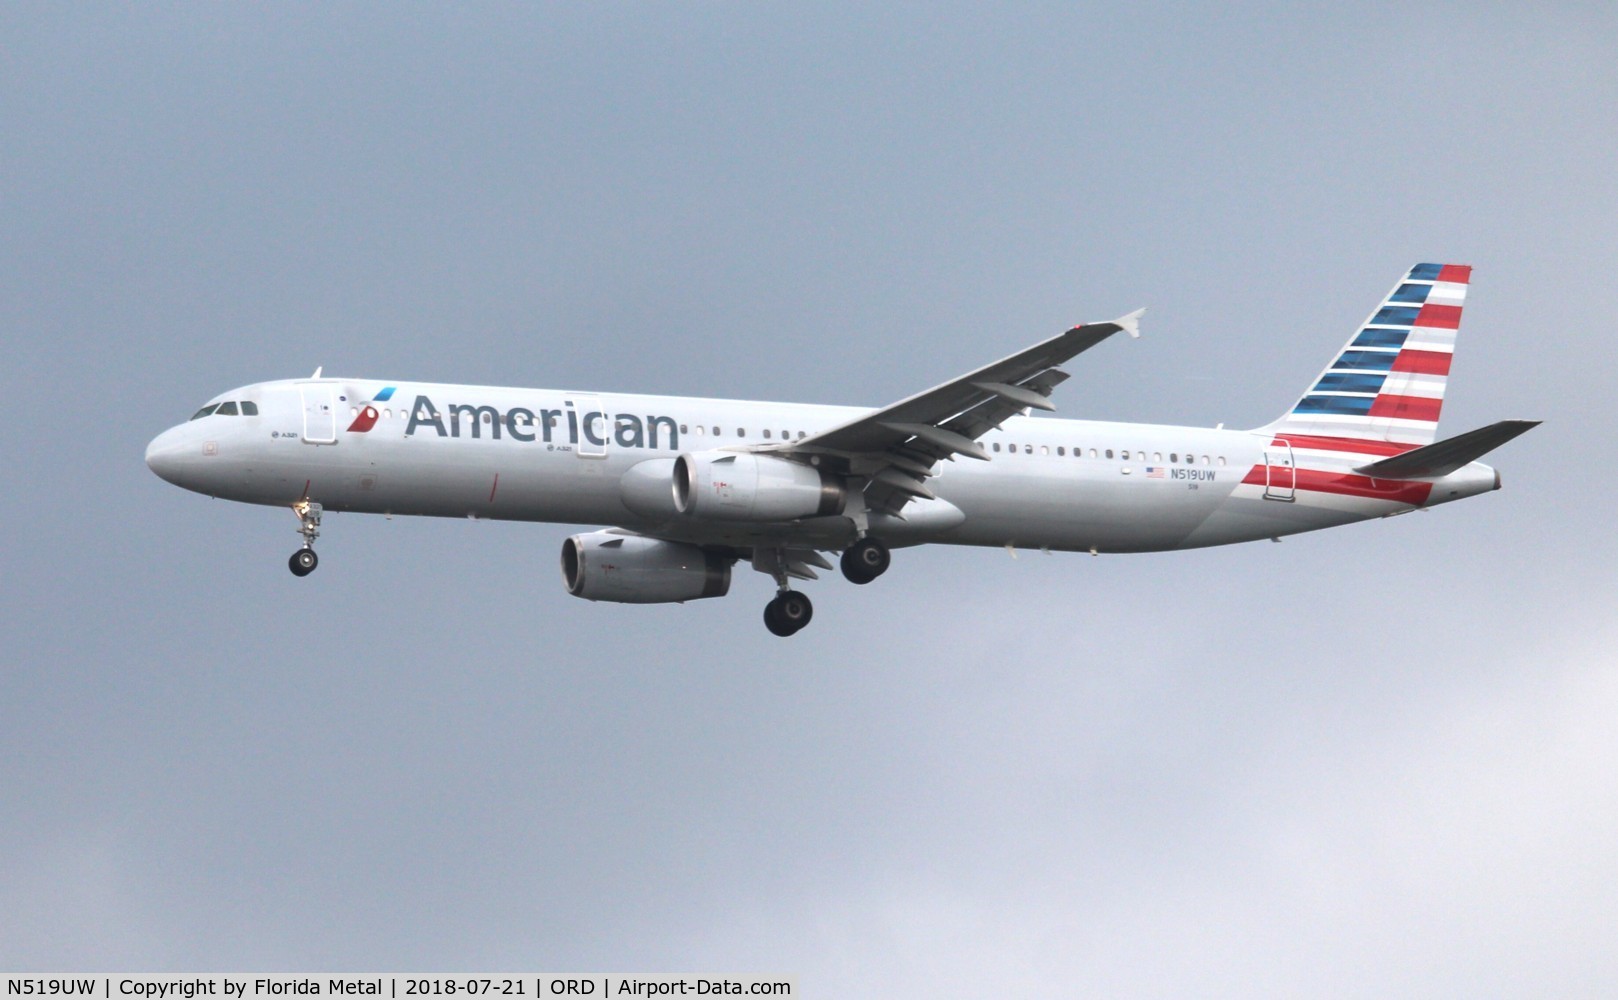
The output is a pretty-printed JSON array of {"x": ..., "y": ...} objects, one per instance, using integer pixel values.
[{"x": 1387, "y": 383}]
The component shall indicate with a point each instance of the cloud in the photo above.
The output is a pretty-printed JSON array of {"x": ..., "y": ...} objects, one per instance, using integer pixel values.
[{"x": 1461, "y": 848}]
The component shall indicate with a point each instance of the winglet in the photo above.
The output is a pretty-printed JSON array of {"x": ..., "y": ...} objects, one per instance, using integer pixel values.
[{"x": 1130, "y": 324}]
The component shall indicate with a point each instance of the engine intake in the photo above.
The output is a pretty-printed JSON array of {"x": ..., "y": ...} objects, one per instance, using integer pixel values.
[
  {"x": 731, "y": 486},
  {"x": 628, "y": 569}
]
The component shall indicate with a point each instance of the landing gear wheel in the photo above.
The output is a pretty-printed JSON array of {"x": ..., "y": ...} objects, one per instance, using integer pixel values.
[
  {"x": 773, "y": 622},
  {"x": 865, "y": 560},
  {"x": 789, "y": 612},
  {"x": 303, "y": 562}
]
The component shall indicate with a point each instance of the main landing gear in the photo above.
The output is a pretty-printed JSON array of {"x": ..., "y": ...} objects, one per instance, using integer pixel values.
[
  {"x": 304, "y": 561},
  {"x": 789, "y": 612},
  {"x": 865, "y": 560}
]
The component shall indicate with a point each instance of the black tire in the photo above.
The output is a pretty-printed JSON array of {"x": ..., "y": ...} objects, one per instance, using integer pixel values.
[
  {"x": 303, "y": 562},
  {"x": 773, "y": 620},
  {"x": 795, "y": 609},
  {"x": 865, "y": 560},
  {"x": 789, "y": 612}
]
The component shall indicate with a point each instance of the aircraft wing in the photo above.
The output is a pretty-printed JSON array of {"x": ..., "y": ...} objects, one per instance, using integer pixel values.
[{"x": 897, "y": 446}]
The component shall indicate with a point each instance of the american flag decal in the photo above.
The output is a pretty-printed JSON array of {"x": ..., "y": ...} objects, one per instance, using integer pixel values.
[{"x": 1154, "y": 472}]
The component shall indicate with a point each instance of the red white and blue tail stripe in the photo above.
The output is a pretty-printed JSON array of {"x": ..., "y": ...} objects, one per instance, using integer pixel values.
[
  {"x": 1387, "y": 384},
  {"x": 1379, "y": 397}
]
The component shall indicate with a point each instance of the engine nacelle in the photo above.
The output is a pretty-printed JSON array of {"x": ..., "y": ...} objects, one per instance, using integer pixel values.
[
  {"x": 628, "y": 569},
  {"x": 741, "y": 486}
]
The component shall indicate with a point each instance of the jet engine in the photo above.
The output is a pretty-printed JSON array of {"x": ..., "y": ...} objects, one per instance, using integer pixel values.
[
  {"x": 733, "y": 486},
  {"x": 628, "y": 569}
]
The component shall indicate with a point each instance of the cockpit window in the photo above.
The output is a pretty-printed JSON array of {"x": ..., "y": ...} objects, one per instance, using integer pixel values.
[
  {"x": 226, "y": 409},
  {"x": 249, "y": 408},
  {"x": 205, "y": 411}
]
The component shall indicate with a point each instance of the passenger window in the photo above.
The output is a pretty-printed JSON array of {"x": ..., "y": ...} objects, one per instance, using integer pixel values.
[
  {"x": 801, "y": 435},
  {"x": 249, "y": 408},
  {"x": 717, "y": 432},
  {"x": 1060, "y": 451},
  {"x": 1174, "y": 456},
  {"x": 204, "y": 411},
  {"x": 1205, "y": 460},
  {"x": 1092, "y": 453},
  {"x": 683, "y": 430},
  {"x": 785, "y": 435},
  {"x": 995, "y": 446},
  {"x": 1221, "y": 460},
  {"x": 1157, "y": 456},
  {"x": 1109, "y": 452},
  {"x": 1027, "y": 449},
  {"x": 227, "y": 409},
  {"x": 766, "y": 433},
  {"x": 1123, "y": 455}
]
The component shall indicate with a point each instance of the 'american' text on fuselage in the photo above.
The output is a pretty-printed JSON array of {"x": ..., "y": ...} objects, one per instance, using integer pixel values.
[{"x": 523, "y": 424}]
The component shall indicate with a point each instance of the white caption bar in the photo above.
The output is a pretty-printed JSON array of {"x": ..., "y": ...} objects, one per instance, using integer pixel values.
[{"x": 396, "y": 986}]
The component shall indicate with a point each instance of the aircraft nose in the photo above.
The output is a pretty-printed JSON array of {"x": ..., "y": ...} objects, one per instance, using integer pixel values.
[{"x": 164, "y": 456}]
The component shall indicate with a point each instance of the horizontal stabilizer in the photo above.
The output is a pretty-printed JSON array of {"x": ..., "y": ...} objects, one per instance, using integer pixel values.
[{"x": 1437, "y": 460}]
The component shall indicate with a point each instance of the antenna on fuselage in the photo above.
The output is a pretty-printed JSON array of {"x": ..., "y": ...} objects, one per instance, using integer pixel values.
[{"x": 318, "y": 370}]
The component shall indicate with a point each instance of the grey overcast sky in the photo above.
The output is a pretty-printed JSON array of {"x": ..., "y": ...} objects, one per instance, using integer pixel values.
[{"x": 1379, "y": 761}]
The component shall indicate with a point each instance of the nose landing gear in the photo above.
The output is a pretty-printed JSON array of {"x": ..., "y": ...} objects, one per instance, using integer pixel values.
[{"x": 304, "y": 561}]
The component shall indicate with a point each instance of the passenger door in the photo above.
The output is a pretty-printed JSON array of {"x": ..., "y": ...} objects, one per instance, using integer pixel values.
[
  {"x": 319, "y": 412},
  {"x": 1280, "y": 474}
]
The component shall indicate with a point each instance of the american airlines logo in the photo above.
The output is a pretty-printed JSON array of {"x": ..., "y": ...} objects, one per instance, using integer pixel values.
[
  {"x": 594, "y": 427},
  {"x": 366, "y": 418}
]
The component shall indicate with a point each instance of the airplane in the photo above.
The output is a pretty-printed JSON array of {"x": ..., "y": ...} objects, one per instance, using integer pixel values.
[{"x": 689, "y": 487}]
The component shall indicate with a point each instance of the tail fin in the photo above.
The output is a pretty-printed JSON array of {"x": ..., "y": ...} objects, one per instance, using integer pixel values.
[{"x": 1387, "y": 383}]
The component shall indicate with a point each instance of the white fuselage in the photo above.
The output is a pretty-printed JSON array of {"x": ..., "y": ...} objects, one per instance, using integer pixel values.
[{"x": 606, "y": 458}]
